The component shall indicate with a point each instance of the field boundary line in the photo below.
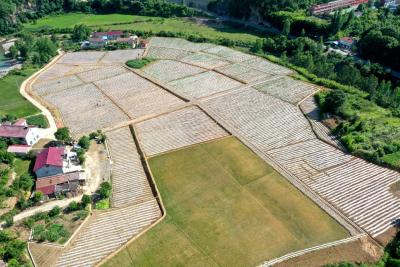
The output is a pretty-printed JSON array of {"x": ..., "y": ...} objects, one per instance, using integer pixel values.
[
  {"x": 158, "y": 198},
  {"x": 309, "y": 250}
]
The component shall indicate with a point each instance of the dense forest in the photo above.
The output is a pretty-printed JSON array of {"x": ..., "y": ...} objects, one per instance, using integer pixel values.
[{"x": 15, "y": 12}]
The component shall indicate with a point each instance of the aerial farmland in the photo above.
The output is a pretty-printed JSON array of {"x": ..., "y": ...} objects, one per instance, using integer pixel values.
[{"x": 218, "y": 159}]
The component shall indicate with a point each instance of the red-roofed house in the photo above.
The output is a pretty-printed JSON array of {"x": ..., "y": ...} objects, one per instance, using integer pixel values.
[
  {"x": 49, "y": 161},
  {"x": 21, "y": 131},
  {"x": 61, "y": 183},
  {"x": 346, "y": 43}
]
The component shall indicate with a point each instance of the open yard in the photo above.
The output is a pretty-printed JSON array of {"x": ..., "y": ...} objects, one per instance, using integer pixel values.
[
  {"x": 144, "y": 23},
  {"x": 226, "y": 207},
  {"x": 11, "y": 101}
]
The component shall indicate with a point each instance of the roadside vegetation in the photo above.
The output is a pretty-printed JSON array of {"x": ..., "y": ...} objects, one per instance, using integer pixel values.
[
  {"x": 139, "y": 63},
  {"x": 224, "y": 206}
]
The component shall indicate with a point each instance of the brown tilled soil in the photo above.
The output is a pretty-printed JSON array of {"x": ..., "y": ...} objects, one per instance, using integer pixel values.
[
  {"x": 44, "y": 255},
  {"x": 387, "y": 236},
  {"x": 362, "y": 250}
]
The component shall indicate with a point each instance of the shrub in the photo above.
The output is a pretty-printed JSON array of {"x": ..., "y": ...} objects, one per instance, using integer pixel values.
[
  {"x": 39, "y": 233},
  {"x": 103, "y": 204},
  {"x": 54, "y": 212},
  {"x": 86, "y": 200},
  {"x": 138, "y": 63},
  {"x": 73, "y": 206},
  {"x": 29, "y": 222},
  {"x": 9, "y": 220},
  {"x": 105, "y": 190}
]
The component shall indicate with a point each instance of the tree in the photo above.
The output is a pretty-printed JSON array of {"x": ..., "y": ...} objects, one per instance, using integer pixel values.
[
  {"x": 80, "y": 33},
  {"x": 62, "y": 134},
  {"x": 45, "y": 50},
  {"x": 6, "y": 157},
  {"x": 37, "y": 196},
  {"x": 105, "y": 190},
  {"x": 84, "y": 142},
  {"x": 73, "y": 206},
  {"x": 334, "y": 100},
  {"x": 86, "y": 200},
  {"x": 13, "y": 52},
  {"x": 26, "y": 181},
  {"x": 286, "y": 27}
]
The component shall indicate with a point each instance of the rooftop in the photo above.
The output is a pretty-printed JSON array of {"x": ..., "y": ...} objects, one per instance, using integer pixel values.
[{"x": 52, "y": 156}]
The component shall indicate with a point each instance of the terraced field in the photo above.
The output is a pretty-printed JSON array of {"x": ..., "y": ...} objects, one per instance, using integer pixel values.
[{"x": 171, "y": 112}]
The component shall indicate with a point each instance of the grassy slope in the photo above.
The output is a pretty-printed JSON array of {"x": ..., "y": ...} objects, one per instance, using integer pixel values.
[
  {"x": 226, "y": 207},
  {"x": 142, "y": 23},
  {"x": 11, "y": 101}
]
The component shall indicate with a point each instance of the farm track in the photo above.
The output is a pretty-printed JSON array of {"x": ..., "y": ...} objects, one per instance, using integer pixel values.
[{"x": 280, "y": 126}]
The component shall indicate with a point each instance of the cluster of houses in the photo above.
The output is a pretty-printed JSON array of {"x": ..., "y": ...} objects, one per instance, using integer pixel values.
[
  {"x": 102, "y": 39},
  {"x": 57, "y": 169},
  {"x": 329, "y": 7}
]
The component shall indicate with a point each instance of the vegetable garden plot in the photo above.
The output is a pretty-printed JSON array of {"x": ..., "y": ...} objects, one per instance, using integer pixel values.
[
  {"x": 138, "y": 96},
  {"x": 203, "y": 84},
  {"x": 168, "y": 70},
  {"x": 179, "y": 43},
  {"x": 166, "y": 53},
  {"x": 243, "y": 73},
  {"x": 121, "y": 56},
  {"x": 287, "y": 89},
  {"x": 53, "y": 86},
  {"x": 229, "y": 54},
  {"x": 267, "y": 66},
  {"x": 263, "y": 120},
  {"x": 176, "y": 130},
  {"x": 101, "y": 73},
  {"x": 204, "y": 60},
  {"x": 85, "y": 109},
  {"x": 82, "y": 57},
  {"x": 55, "y": 71}
]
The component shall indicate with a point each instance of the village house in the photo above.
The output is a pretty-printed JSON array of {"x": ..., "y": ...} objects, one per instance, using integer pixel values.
[
  {"x": 111, "y": 35},
  {"x": 346, "y": 43},
  {"x": 55, "y": 160},
  {"x": 19, "y": 150},
  {"x": 61, "y": 183},
  {"x": 20, "y": 131}
]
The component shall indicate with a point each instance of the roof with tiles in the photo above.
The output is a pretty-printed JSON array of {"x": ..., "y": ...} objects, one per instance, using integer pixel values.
[{"x": 52, "y": 156}]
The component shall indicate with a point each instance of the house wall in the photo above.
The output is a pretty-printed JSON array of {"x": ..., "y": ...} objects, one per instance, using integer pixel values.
[
  {"x": 33, "y": 136},
  {"x": 48, "y": 171}
]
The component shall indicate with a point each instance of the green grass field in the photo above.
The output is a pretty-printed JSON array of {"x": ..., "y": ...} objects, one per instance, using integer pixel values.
[
  {"x": 11, "y": 101},
  {"x": 226, "y": 207},
  {"x": 142, "y": 23}
]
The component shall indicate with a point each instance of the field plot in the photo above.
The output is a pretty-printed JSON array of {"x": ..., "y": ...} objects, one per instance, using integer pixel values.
[
  {"x": 121, "y": 56},
  {"x": 362, "y": 191},
  {"x": 244, "y": 73},
  {"x": 166, "y": 53},
  {"x": 178, "y": 129},
  {"x": 84, "y": 109},
  {"x": 82, "y": 58},
  {"x": 57, "y": 85},
  {"x": 56, "y": 71},
  {"x": 224, "y": 208},
  {"x": 107, "y": 231},
  {"x": 203, "y": 84},
  {"x": 137, "y": 96},
  {"x": 267, "y": 66},
  {"x": 204, "y": 60},
  {"x": 309, "y": 158},
  {"x": 129, "y": 181},
  {"x": 178, "y": 43},
  {"x": 287, "y": 89},
  {"x": 101, "y": 73},
  {"x": 168, "y": 70},
  {"x": 229, "y": 54},
  {"x": 264, "y": 120}
]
